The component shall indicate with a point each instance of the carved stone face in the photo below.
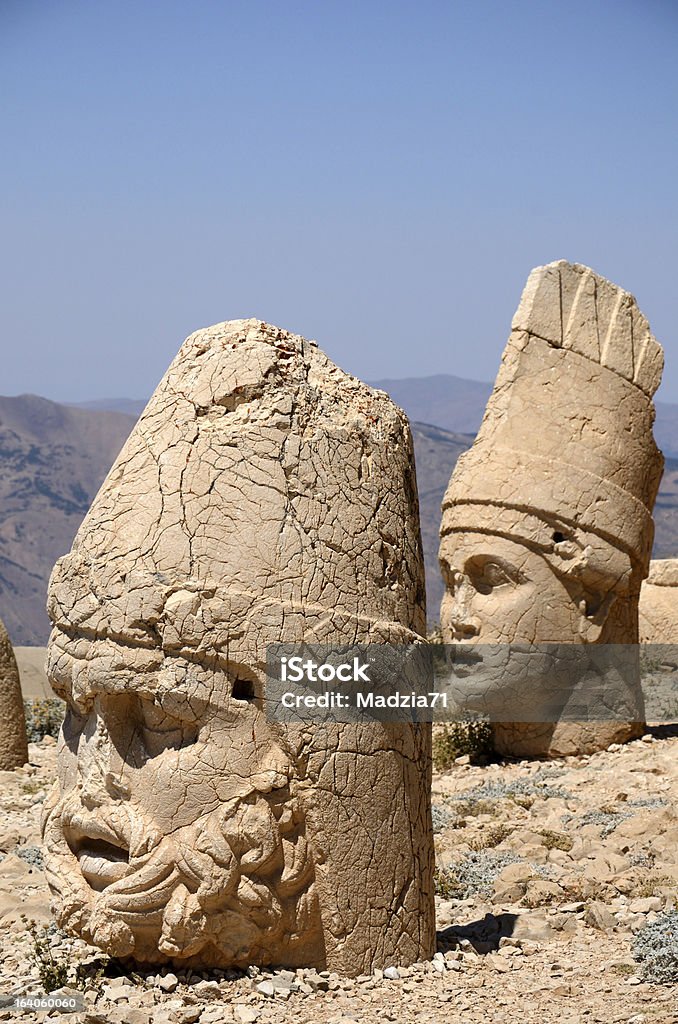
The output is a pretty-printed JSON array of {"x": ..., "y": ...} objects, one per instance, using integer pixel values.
[
  {"x": 500, "y": 591},
  {"x": 546, "y": 527},
  {"x": 177, "y": 804},
  {"x": 264, "y": 497}
]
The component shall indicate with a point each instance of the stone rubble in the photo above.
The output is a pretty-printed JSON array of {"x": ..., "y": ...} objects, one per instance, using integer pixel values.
[{"x": 566, "y": 959}]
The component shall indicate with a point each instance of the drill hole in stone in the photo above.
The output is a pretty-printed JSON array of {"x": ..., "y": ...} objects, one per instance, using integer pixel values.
[
  {"x": 243, "y": 689},
  {"x": 558, "y": 537}
]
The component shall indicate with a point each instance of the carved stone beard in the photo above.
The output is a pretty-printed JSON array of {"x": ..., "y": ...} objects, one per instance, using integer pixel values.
[{"x": 226, "y": 891}]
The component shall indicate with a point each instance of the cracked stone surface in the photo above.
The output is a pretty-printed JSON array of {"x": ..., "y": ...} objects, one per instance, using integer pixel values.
[
  {"x": 264, "y": 496},
  {"x": 13, "y": 743},
  {"x": 547, "y": 520}
]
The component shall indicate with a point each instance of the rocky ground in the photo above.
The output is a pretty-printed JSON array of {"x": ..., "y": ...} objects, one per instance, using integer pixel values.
[{"x": 547, "y": 874}]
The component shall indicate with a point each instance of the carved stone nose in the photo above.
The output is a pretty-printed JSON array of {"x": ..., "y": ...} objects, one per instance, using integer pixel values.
[
  {"x": 117, "y": 788},
  {"x": 466, "y": 626}
]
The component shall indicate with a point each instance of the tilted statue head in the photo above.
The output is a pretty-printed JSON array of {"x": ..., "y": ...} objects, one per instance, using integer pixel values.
[
  {"x": 547, "y": 520},
  {"x": 658, "y": 607},
  {"x": 264, "y": 496}
]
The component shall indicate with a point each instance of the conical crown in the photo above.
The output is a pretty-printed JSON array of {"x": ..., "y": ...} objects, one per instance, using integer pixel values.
[
  {"x": 567, "y": 432},
  {"x": 264, "y": 493}
]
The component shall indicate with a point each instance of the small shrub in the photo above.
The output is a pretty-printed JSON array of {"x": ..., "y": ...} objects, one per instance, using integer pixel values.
[
  {"x": 43, "y": 718},
  {"x": 57, "y": 971},
  {"x": 53, "y": 973},
  {"x": 31, "y": 855},
  {"x": 473, "y": 875},
  {"x": 606, "y": 820},
  {"x": 31, "y": 788},
  {"x": 495, "y": 790},
  {"x": 491, "y": 837},
  {"x": 623, "y": 970},
  {"x": 652, "y": 885},
  {"x": 473, "y": 738},
  {"x": 473, "y": 808},
  {"x": 440, "y": 816},
  {"x": 656, "y": 948},
  {"x": 556, "y": 840}
]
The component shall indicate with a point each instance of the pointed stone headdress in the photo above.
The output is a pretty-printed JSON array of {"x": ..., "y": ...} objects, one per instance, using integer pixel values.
[{"x": 567, "y": 434}]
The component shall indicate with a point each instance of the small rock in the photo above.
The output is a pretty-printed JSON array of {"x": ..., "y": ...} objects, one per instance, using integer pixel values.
[
  {"x": 217, "y": 1013},
  {"x": 316, "y": 982},
  {"x": 599, "y": 916},
  {"x": 497, "y": 963},
  {"x": 189, "y": 1014},
  {"x": 265, "y": 988},
  {"x": 168, "y": 982},
  {"x": 392, "y": 973},
  {"x": 207, "y": 989},
  {"x": 644, "y": 906},
  {"x": 246, "y": 1014}
]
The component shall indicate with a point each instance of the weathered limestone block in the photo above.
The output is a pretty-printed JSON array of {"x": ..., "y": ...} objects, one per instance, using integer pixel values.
[
  {"x": 547, "y": 521},
  {"x": 265, "y": 496},
  {"x": 13, "y": 744},
  {"x": 658, "y": 606}
]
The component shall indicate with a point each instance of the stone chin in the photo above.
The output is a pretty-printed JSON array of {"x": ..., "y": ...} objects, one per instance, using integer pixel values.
[{"x": 234, "y": 888}]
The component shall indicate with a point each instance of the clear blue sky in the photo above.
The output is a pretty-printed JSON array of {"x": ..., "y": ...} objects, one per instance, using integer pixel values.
[{"x": 378, "y": 175}]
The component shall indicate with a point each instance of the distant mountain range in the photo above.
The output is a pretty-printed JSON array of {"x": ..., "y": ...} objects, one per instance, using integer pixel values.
[
  {"x": 451, "y": 403},
  {"x": 54, "y": 457}
]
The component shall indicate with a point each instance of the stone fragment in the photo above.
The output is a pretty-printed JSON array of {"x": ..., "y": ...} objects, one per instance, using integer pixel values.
[
  {"x": 168, "y": 982},
  {"x": 644, "y": 906},
  {"x": 540, "y": 891},
  {"x": 13, "y": 742},
  {"x": 597, "y": 915},
  {"x": 246, "y": 1014},
  {"x": 391, "y": 973},
  {"x": 498, "y": 963},
  {"x": 216, "y": 1014},
  {"x": 264, "y": 496},
  {"x": 547, "y": 520},
  {"x": 265, "y": 988}
]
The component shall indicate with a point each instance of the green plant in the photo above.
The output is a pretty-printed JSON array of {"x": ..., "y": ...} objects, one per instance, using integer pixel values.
[
  {"x": 473, "y": 737},
  {"x": 652, "y": 885},
  {"x": 43, "y": 718},
  {"x": 624, "y": 970},
  {"x": 53, "y": 973},
  {"x": 556, "y": 840},
  {"x": 491, "y": 837}
]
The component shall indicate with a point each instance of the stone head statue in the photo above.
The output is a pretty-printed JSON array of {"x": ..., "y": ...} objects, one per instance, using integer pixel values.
[
  {"x": 13, "y": 742},
  {"x": 658, "y": 606},
  {"x": 547, "y": 520},
  {"x": 263, "y": 497}
]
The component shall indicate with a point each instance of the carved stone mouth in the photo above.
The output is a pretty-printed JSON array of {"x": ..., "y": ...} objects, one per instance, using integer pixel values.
[{"x": 101, "y": 861}]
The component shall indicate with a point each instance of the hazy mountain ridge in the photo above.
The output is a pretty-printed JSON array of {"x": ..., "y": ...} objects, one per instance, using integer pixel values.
[{"x": 54, "y": 457}]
